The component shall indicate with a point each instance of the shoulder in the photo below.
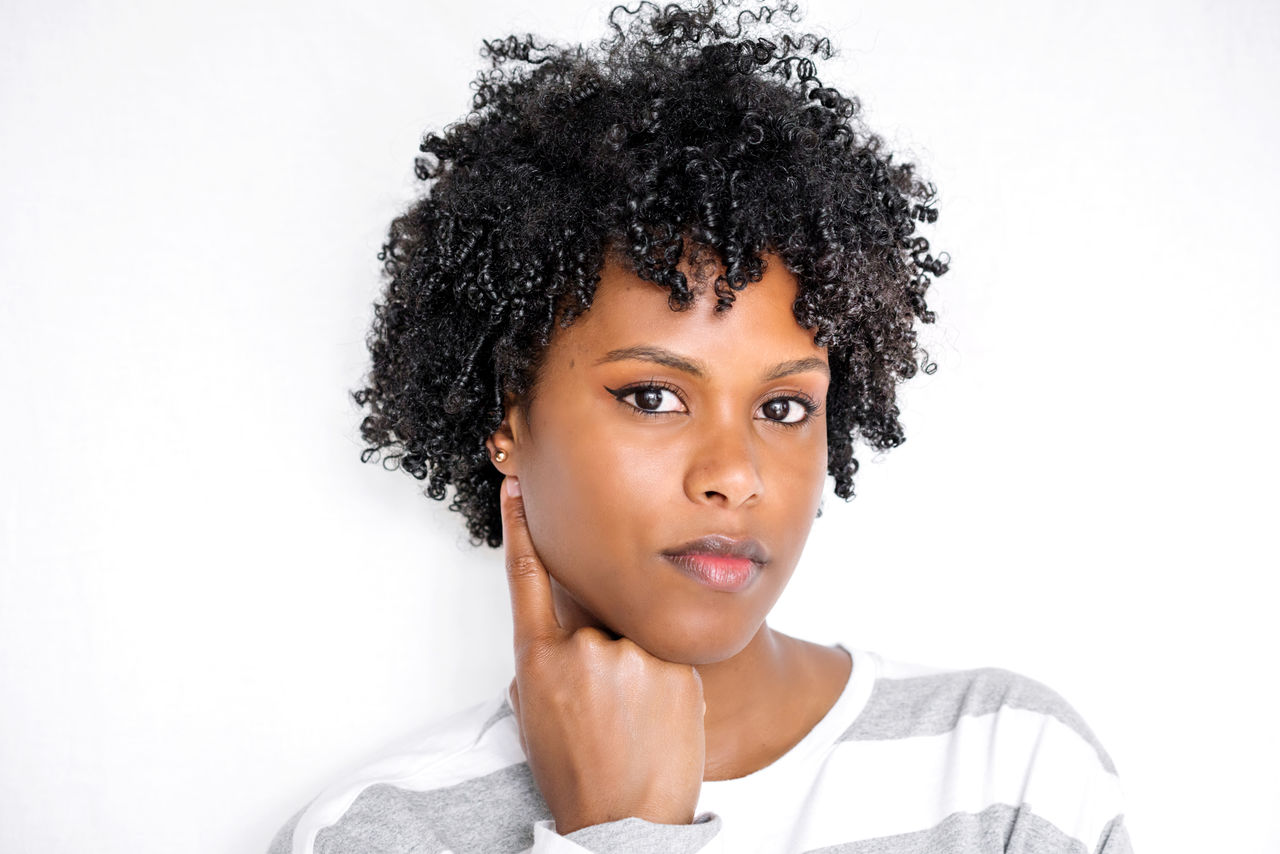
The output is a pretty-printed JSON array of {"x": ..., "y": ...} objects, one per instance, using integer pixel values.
[
  {"x": 461, "y": 781},
  {"x": 1009, "y": 755},
  {"x": 911, "y": 700}
]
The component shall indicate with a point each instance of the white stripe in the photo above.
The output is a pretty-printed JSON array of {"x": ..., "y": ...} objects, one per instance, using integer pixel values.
[
  {"x": 870, "y": 789},
  {"x": 890, "y": 669}
]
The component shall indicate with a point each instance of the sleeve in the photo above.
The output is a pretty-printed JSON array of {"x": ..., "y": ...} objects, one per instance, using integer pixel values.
[
  {"x": 631, "y": 836},
  {"x": 283, "y": 841},
  {"x": 1115, "y": 838},
  {"x": 1064, "y": 782}
]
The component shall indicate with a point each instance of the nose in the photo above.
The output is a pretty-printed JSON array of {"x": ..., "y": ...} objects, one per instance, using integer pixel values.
[{"x": 723, "y": 469}]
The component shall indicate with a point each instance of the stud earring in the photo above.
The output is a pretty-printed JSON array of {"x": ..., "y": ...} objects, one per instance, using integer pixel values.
[{"x": 499, "y": 456}]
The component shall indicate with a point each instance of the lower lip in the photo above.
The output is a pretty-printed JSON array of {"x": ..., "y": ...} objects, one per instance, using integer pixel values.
[{"x": 727, "y": 574}]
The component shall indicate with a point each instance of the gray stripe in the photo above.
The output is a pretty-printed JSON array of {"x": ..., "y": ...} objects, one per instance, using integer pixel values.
[
  {"x": 995, "y": 830},
  {"x": 932, "y": 705},
  {"x": 283, "y": 843},
  {"x": 1114, "y": 838},
  {"x": 636, "y": 836},
  {"x": 493, "y": 814}
]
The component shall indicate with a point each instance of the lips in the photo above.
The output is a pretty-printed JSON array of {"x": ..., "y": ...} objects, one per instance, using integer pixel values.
[{"x": 719, "y": 562}]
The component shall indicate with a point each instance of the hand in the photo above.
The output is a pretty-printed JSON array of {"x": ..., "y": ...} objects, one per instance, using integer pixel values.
[{"x": 610, "y": 731}]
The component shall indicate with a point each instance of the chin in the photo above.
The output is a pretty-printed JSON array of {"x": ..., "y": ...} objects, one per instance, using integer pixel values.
[
  {"x": 695, "y": 641},
  {"x": 676, "y": 627}
]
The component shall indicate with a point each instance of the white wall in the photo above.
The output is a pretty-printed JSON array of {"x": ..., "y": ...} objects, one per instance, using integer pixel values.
[{"x": 209, "y": 607}]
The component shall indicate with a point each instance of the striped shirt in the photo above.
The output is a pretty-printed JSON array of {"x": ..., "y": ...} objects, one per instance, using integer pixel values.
[{"x": 908, "y": 760}]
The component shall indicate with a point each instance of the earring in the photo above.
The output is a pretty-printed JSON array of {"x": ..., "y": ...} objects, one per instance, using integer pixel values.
[{"x": 499, "y": 456}]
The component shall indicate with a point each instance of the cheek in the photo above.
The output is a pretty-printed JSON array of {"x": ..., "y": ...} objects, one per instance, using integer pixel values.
[
  {"x": 799, "y": 479},
  {"x": 797, "y": 463},
  {"x": 591, "y": 498},
  {"x": 818, "y": 467}
]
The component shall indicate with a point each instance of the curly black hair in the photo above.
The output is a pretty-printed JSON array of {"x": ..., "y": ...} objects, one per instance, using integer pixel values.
[{"x": 685, "y": 132}]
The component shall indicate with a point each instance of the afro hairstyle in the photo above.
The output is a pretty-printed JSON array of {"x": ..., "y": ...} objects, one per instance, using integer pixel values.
[{"x": 689, "y": 130}]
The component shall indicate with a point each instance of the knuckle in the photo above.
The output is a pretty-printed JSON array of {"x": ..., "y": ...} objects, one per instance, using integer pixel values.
[
  {"x": 634, "y": 664},
  {"x": 590, "y": 638},
  {"x": 523, "y": 566},
  {"x": 631, "y": 655},
  {"x": 684, "y": 680}
]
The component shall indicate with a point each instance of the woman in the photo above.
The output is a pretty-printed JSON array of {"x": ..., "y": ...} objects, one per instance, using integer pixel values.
[{"x": 655, "y": 292}]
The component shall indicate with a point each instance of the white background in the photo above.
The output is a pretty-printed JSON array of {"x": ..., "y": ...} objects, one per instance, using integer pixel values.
[{"x": 209, "y": 608}]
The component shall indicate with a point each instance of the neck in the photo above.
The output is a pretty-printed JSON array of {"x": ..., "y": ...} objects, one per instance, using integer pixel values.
[
  {"x": 737, "y": 685},
  {"x": 760, "y": 702},
  {"x": 754, "y": 701}
]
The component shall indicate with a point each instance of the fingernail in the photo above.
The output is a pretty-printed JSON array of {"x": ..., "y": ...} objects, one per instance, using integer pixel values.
[{"x": 513, "y": 486}]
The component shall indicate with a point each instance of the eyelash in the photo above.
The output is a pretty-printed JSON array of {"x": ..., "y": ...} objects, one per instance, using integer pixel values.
[
  {"x": 808, "y": 404},
  {"x": 620, "y": 393}
]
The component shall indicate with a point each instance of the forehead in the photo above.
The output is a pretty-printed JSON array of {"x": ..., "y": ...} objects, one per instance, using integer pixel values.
[{"x": 628, "y": 312}]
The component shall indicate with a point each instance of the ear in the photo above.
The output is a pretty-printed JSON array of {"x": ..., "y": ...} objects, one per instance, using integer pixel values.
[{"x": 504, "y": 444}]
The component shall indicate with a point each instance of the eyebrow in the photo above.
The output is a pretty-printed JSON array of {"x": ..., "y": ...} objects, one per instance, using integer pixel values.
[
  {"x": 798, "y": 366},
  {"x": 694, "y": 368}
]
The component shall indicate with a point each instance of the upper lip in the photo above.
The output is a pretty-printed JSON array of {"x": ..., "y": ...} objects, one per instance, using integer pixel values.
[{"x": 722, "y": 546}]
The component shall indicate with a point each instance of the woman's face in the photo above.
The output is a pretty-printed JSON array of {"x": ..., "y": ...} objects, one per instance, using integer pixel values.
[{"x": 672, "y": 462}]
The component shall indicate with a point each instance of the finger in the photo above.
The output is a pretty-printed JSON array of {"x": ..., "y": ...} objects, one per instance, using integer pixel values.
[{"x": 532, "y": 614}]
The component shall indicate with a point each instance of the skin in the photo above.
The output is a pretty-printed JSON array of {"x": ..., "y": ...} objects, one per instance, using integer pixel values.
[{"x": 647, "y": 429}]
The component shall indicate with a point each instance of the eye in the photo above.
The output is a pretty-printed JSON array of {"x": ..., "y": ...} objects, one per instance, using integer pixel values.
[
  {"x": 650, "y": 399},
  {"x": 787, "y": 410}
]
